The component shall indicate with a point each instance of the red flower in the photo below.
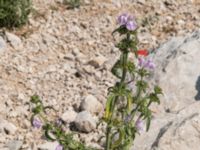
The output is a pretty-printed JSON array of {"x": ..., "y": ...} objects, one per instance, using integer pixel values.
[{"x": 142, "y": 52}]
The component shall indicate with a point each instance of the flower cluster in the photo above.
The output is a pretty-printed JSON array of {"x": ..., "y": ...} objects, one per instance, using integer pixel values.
[
  {"x": 128, "y": 21},
  {"x": 146, "y": 63}
]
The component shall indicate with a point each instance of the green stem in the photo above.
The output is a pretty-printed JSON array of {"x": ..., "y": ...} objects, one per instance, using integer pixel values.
[
  {"x": 109, "y": 126},
  {"x": 124, "y": 72}
]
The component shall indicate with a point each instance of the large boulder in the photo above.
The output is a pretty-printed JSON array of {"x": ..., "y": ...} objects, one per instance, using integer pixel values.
[
  {"x": 177, "y": 125},
  {"x": 178, "y": 71}
]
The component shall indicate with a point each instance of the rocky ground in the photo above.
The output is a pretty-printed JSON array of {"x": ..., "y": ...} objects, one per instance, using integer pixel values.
[{"x": 65, "y": 56}]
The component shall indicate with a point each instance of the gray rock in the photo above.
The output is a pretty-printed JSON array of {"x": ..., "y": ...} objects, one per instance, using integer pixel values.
[
  {"x": 14, "y": 40},
  {"x": 2, "y": 45},
  {"x": 14, "y": 145},
  {"x": 177, "y": 72},
  {"x": 91, "y": 104},
  {"x": 172, "y": 131},
  {"x": 85, "y": 122}
]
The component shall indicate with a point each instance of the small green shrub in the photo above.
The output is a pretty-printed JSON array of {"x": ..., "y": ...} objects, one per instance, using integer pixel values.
[
  {"x": 73, "y": 3},
  {"x": 14, "y": 13}
]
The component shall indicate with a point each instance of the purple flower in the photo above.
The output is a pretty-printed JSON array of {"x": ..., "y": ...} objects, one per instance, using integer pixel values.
[
  {"x": 139, "y": 125},
  {"x": 141, "y": 61},
  {"x": 122, "y": 19},
  {"x": 37, "y": 123},
  {"x": 128, "y": 21},
  {"x": 149, "y": 64},
  {"x": 131, "y": 25},
  {"x": 59, "y": 147}
]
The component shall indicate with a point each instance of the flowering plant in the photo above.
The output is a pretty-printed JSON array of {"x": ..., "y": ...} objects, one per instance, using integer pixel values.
[
  {"x": 53, "y": 130},
  {"x": 129, "y": 99},
  {"x": 127, "y": 106}
]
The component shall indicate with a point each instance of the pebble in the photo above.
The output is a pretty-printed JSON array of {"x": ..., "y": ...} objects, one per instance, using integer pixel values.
[
  {"x": 69, "y": 116},
  {"x": 85, "y": 122},
  {"x": 48, "y": 146},
  {"x": 98, "y": 61},
  {"x": 91, "y": 104},
  {"x": 14, "y": 40}
]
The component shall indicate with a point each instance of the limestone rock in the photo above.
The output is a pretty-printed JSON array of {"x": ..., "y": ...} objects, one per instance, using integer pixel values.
[
  {"x": 177, "y": 72},
  {"x": 69, "y": 116},
  {"x": 85, "y": 122},
  {"x": 8, "y": 127},
  {"x": 14, "y": 40},
  {"x": 14, "y": 145},
  {"x": 172, "y": 131},
  {"x": 97, "y": 61},
  {"x": 48, "y": 146},
  {"x": 91, "y": 104}
]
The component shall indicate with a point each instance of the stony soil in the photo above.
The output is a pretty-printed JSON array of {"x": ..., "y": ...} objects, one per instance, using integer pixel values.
[{"x": 63, "y": 55}]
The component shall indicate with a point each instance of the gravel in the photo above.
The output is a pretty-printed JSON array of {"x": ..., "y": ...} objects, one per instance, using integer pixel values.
[{"x": 64, "y": 55}]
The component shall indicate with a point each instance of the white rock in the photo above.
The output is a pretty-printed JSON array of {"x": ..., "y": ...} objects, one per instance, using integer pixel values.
[
  {"x": 172, "y": 131},
  {"x": 8, "y": 127},
  {"x": 14, "y": 40},
  {"x": 98, "y": 61},
  {"x": 178, "y": 74},
  {"x": 178, "y": 71},
  {"x": 69, "y": 116},
  {"x": 48, "y": 146},
  {"x": 85, "y": 122},
  {"x": 2, "y": 45},
  {"x": 14, "y": 145},
  {"x": 91, "y": 104}
]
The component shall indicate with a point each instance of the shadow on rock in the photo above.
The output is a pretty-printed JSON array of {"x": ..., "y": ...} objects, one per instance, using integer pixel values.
[{"x": 197, "y": 97}]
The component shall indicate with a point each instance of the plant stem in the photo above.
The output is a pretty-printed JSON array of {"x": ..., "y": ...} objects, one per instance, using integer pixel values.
[{"x": 109, "y": 126}]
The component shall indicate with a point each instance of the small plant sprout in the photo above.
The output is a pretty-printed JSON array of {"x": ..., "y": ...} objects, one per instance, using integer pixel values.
[{"x": 124, "y": 105}]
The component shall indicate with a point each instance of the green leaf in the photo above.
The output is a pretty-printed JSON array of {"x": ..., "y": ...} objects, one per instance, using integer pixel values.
[
  {"x": 121, "y": 30},
  {"x": 143, "y": 85},
  {"x": 148, "y": 121},
  {"x": 131, "y": 67},
  {"x": 158, "y": 90},
  {"x": 108, "y": 107},
  {"x": 119, "y": 140},
  {"x": 48, "y": 129},
  {"x": 35, "y": 99},
  {"x": 37, "y": 109},
  {"x": 129, "y": 102},
  {"x": 154, "y": 98},
  {"x": 117, "y": 69}
]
